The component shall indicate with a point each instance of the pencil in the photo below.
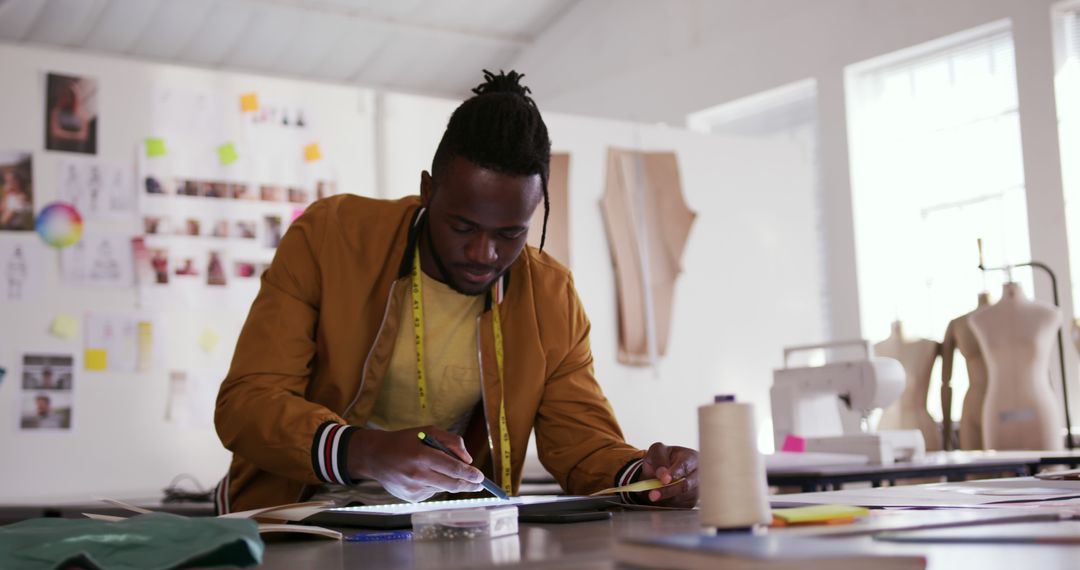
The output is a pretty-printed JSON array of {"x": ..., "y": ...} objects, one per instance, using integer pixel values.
[{"x": 488, "y": 484}]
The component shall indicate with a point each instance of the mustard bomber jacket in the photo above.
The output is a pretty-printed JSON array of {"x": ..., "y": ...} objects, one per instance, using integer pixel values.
[{"x": 318, "y": 340}]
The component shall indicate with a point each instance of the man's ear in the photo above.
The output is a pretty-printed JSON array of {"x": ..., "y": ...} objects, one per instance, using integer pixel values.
[{"x": 426, "y": 189}]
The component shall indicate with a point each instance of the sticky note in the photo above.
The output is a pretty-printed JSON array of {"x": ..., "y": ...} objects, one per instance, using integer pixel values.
[
  {"x": 312, "y": 152},
  {"x": 208, "y": 340},
  {"x": 95, "y": 359},
  {"x": 296, "y": 213},
  {"x": 794, "y": 443},
  {"x": 227, "y": 154},
  {"x": 155, "y": 147},
  {"x": 819, "y": 514},
  {"x": 249, "y": 102},
  {"x": 64, "y": 326}
]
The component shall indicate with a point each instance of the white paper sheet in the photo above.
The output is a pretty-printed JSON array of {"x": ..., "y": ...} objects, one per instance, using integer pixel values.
[
  {"x": 98, "y": 189},
  {"x": 941, "y": 495},
  {"x": 98, "y": 259},
  {"x": 22, "y": 270}
]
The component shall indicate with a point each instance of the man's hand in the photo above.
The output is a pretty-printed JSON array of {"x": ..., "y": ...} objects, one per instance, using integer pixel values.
[
  {"x": 407, "y": 468},
  {"x": 671, "y": 464}
]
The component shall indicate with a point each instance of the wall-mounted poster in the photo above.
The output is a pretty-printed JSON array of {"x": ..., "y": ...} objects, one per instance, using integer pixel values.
[
  {"x": 16, "y": 192},
  {"x": 71, "y": 113}
]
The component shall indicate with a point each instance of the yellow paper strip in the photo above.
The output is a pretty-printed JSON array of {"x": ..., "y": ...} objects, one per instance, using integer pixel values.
[{"x": 646, "y": 485}]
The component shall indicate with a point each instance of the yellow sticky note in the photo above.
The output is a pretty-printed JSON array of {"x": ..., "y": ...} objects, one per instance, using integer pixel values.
[
  {"x": 227, "y": 154},
  {"x": 249, "y": 102},
  {"x": 208, "y": 340},
  {"x": 155, "y": 147},
  {"x": 64, "y": 326},
  {"x": 821, "y": 514},
  {"x": 312, "y": 152},
  {"x": 95, "y": 359},
  {"x": 640, "y": 486}
]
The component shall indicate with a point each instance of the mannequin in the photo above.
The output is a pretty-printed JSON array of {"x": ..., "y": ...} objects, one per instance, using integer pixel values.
[
  {"x": 1016, "y": 335},
  {"x": 958, "y": 335},
  {"x": 909, "y": 412}
]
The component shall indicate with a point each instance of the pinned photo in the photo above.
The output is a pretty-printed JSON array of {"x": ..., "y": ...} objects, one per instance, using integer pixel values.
[
  {"x": 216, "y": 190},
  {"x": 273, "y": 230},
  {"x": 158, "y": 266},
  {"x": 220, "y": 229},
  {"x": 246, "y": 229},
  {"x": 47, "y": 381},
  {"x": 185, "y": 266},
  {"x": 192, "y": 227},
  {"x": 272, "y": 193},
  {"x": 155, "y": 185},
  {"x": 245, "y": 269},
  {"x": 71, "y": 121},
  {"x": 16, "y": 192},
  {"x": 187, "y": 188},
  {"x": 298, "y": 195},
  {"x": 325, "y": 189},
  {"x": 157, "y": 225},
  {"x": 215, "y": 270},
  {"x": 242, "y": 192}
]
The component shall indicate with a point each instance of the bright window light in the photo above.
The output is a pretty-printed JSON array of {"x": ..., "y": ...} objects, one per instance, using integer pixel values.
[{"x": 934, "y": 138}]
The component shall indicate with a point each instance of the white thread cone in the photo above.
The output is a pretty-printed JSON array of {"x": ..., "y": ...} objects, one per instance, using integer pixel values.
[{"x": 731, "y": 470}]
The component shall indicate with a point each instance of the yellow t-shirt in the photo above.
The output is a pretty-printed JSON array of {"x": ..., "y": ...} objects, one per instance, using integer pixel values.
[{"x": 453, "y": 367}]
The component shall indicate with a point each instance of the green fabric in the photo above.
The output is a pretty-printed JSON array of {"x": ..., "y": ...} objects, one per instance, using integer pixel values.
[{"x": 156, "y": 541}]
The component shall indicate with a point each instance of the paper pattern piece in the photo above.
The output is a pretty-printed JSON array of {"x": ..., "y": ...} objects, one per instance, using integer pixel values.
[
  {"x": 96, "y": 359},
  {"x": 22, "y": 270},
  {"x": 648, "y": 224},
  {"x": 249, "y": 102},
  {"x": 209, "y": 339},
  {"x": 155, "y": 147},
  {"x": 645, "y": 485},
  {"x": 312, "y": 152},
  {"x": 64, "y": 326},
  {"x": 99, "y": 259},
  {"x": 227, "y": 154}
]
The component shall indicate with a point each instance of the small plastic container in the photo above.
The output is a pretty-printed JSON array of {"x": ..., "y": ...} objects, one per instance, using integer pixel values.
[{"x": 464, "y": 524}]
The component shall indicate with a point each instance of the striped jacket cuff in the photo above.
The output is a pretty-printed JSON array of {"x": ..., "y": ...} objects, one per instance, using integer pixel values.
[
  {"x": 328, "y": 453},
  {"x": 630, "y": 473}
]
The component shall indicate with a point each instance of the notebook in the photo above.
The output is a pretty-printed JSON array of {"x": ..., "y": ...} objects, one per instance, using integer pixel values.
[{"x": 399, "y": 515}]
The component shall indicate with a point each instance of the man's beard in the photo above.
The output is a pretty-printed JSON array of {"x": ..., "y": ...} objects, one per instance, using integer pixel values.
[{"x": 449, "y": 280}]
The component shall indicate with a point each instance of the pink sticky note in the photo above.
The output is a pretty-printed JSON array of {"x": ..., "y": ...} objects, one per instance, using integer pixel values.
[{"x": 794, "y": 443}]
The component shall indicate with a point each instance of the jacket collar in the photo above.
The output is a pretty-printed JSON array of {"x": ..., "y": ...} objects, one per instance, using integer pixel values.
[{"x": 495, "y": 294}]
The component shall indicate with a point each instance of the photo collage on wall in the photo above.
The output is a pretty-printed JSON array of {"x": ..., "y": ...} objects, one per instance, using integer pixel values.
[{"x": 214, "y": 210}]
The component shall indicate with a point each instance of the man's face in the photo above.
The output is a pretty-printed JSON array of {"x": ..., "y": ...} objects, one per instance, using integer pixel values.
[
  {"x": 478, "y": 221},
  {"x": 42, "y": 405}
]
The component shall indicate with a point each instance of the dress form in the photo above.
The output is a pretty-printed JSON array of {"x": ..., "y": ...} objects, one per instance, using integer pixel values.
[
  {"x": 909, "y": 412},
  {"x": 1016, "y": 335},
  {"x": 958, "y": 335}
]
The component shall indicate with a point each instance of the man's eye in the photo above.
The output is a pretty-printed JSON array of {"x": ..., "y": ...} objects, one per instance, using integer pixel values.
[
  {"x": 461, "y": 229},
  {"x": 511, "y": 235}
]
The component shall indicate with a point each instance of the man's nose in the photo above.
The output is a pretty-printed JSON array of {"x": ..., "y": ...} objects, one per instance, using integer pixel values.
[{"x": 481, "y": 250}]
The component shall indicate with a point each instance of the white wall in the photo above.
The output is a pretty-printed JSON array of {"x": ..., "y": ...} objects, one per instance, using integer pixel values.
[
  {"x": 120, "y": 444},
  {"x": 659, "y": 61}
]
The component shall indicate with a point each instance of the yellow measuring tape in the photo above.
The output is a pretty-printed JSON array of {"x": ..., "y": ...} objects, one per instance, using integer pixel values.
[{"x": 421, "y": 372}]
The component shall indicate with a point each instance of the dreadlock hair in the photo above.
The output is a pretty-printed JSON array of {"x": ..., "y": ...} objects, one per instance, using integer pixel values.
[{"x": 499, "y": 128}]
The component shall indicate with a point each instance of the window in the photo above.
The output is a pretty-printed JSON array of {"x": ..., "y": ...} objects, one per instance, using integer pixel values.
[
  {"x": 1068, "y": 89},
  {"x": 936, "y": 166}
]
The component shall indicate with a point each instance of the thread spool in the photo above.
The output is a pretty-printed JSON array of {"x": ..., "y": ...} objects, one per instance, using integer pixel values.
[{"x": 732, "y": 487}]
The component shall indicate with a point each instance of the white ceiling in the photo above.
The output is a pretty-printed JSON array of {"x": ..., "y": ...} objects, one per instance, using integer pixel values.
[{"x": 423, "y": 46}]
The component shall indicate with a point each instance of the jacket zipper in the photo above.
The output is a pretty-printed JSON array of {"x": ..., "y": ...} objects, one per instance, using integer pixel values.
[
  {"x": 483, "y": 394},
  {"x": 375, "y": 342}
]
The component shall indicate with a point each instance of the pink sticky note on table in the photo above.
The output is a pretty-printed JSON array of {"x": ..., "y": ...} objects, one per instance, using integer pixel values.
[{"x": 794, "y": 443}]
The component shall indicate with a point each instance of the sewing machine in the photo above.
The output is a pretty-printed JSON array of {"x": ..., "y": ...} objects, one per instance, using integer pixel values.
[{"x": 828, "y": 406}]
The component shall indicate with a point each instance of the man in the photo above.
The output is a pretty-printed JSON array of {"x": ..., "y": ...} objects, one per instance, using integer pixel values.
[{"x": 378, "y": 320}]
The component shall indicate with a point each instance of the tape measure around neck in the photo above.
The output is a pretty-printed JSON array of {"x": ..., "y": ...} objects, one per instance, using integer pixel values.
[{"x": 421, "y": 369}]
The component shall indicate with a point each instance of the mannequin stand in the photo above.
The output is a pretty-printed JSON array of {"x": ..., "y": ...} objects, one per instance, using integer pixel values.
[{"x": 1061, "y": 343}]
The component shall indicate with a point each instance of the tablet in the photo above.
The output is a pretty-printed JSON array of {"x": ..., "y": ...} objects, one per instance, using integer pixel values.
[{"x": 399, "y": 515}]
